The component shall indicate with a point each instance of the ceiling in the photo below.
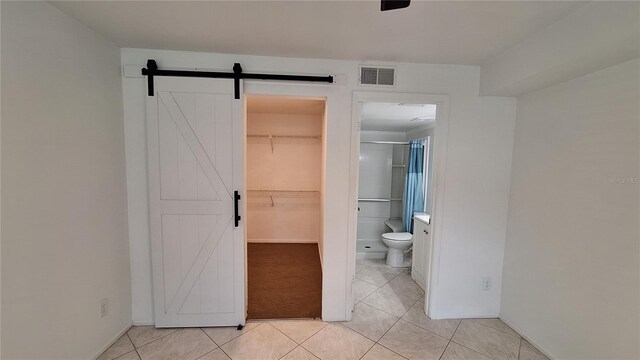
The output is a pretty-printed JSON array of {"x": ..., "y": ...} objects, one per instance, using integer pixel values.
[
  {"x": 284, "y": 105},
  {"x": 452, "y": 32},
  {"x": 397, "y": 117}
]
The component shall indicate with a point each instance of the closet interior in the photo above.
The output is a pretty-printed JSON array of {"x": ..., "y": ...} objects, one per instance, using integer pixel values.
[{"x": 284, "y": 179}]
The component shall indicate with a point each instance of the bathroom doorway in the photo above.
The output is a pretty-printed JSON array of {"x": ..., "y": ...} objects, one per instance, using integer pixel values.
[
  {"x": 284, "y": 174},
  {"x": 390, "y": 134},
  {"x": 395, "y": 137}
]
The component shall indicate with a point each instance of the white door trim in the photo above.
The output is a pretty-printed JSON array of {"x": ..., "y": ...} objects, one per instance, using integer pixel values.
[
  {"x": 334, "y": 256},
  {"x": 440, "y": 159}
]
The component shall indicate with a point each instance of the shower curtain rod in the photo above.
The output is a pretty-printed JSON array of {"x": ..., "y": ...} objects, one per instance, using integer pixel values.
[{"x": 384, "y": 142}]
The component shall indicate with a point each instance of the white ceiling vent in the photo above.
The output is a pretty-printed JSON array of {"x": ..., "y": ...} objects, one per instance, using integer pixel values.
[{"x": 370, "y": 75}]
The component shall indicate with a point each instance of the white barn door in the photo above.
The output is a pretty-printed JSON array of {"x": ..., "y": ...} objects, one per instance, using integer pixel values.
[{"x": 195, "y": 144}]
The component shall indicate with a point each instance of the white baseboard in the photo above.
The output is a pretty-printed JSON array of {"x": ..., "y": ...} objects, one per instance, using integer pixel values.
[
  {"x": 113, "y": 340},
  {"x": 524, "y": 336},
  {"x": 283, "y": 241},
  {"x": 144, "y": 323},
  {"x": 463, "y": 316}
]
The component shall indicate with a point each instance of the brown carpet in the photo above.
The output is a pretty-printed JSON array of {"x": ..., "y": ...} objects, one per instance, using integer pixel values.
[{"x": 285, "y": 281}]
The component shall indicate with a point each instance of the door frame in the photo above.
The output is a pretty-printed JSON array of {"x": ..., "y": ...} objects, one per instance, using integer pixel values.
[
  {"x": 439, "y": 173},
  {"x": 333, "y": 294}
]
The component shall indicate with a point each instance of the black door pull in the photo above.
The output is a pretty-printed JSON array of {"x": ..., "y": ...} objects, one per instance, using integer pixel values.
[{"x": 236, "y": 217}]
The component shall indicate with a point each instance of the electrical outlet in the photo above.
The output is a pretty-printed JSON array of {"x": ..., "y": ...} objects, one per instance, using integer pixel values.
[
  {"x": 486, "y": 283},
  {"x": 104, "y": 307}
]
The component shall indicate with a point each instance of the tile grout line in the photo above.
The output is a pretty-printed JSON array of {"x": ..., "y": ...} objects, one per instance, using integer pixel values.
[
  {"x": 134, "y": 345},
  {"x": 299, "y": 344},
  {"x": 451, "y": 339},
  {"x": 474, "y": 350},
  {"x": 519, "y": 348},
  {"x": 219, "y": 346},
  {"x": 388, "y": 313},
  {"x": 445, "y": 350},
  {"x": 381, "y": 286},
  {"x": 208, "y": 352},
  {"x": 427, "y": 330},
  {"x": 349, "y": 329},
  {"x": 491, "y": 327},
  {"x": 385, "y": 333},
  {"x": 154, "y": 340},
  {"x": 295, "y": 342}
]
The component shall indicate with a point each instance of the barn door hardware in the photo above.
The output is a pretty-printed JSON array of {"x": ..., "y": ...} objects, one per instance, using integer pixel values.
[{"x": 152, "y": 70}]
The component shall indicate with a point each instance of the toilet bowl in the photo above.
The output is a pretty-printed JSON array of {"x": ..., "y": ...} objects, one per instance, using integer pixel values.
[{"x": 398, "y": 243}]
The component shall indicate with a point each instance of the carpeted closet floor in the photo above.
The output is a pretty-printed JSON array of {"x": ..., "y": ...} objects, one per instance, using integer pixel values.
[{"x": 285, "y": 281}]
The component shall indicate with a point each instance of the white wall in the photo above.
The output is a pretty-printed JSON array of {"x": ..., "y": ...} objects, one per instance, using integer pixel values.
[
  {"x": 293, "y": 165},
  {"x": 597, "y": 35},
  {"x": 477, "y": 176},
  {"x": 571, "y": 273},
  {"x": 64, "y": 224}
]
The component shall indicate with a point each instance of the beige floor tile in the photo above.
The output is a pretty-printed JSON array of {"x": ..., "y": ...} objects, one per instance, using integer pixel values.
[
  {"x": 299, "y": 330},
  {"x": 386, "y": 268},
  {"x": 374, "y": 276},
  {"x": 390, "y": 302},
  {"x": 528, "y": 352},
  {"x": 416, "y": 316},
  {"x": 360, "y": 267},
  {"x": 362, "y": 289},
  {"x": 122, "y": 346},
  {"x": 263, "y": 342},
  {"x": 133, "y": 355},
  {"x": 413, "y": 342},
  {"x": 370, "y": 321},
  {"x": 378, "y": 352},
  {"x": 183, "y": 344},
  {"x": 498, "y": 325},
  {"x": 487, "y": 341},
  {"x": 371, "y": 262},
  {"x": 216, "y": 354},
  {"x": 142, "y": 335},
  {"x": 222, "y": 335},
  {"x": 405, "y": 285},
  {"x": 335, "y": 341},
  {"x": 459, "y": 352},
  {"x": 299, "y": 353}
]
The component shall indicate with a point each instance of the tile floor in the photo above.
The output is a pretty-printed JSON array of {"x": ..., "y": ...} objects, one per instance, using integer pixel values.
[{"x": 388, "y": 323}]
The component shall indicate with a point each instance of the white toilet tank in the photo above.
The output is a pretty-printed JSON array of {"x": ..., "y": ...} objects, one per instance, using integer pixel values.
[{"x": 395, "y": 225}]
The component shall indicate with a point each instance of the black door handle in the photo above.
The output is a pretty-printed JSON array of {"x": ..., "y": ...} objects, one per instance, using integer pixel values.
[{"x": 236, "y": 217}]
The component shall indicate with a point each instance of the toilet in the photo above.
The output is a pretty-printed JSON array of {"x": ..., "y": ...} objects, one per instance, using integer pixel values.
[{"x": 398, "y": 243}]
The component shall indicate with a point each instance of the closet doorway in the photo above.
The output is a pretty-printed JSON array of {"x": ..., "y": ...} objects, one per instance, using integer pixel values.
[{"x": 284, "y": 177}]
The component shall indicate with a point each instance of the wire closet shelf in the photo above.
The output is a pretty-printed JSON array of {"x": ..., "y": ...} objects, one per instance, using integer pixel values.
[{"x": 283, "y": 198}]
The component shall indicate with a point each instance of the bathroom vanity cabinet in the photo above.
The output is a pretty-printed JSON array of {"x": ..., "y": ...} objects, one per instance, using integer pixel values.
[{"x": 420, "y": 265}]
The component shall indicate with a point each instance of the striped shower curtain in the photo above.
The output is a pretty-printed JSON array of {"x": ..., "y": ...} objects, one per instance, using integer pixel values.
[{"x": 413, "y": 199}]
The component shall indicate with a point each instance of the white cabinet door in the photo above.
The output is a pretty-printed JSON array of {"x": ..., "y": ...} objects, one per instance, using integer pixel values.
[
  {"x": 421, "y": 253},
  {"x": 195, "y": 137},
  {"x": 417, "y": 263}
]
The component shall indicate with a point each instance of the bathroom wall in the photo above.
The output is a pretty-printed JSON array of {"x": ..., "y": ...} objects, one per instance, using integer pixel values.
[{"x": 283, "y": 164}]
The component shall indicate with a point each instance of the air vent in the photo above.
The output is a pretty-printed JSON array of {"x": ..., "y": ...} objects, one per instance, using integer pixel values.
[{"x": 377, "y": 76}]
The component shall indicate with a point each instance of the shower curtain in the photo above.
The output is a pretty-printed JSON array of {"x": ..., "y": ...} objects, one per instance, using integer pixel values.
[{"x": 413, "y": 199}]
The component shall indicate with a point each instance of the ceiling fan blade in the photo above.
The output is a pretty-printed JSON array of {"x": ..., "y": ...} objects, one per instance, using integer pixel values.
[{"x": 394, "y": 4}]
